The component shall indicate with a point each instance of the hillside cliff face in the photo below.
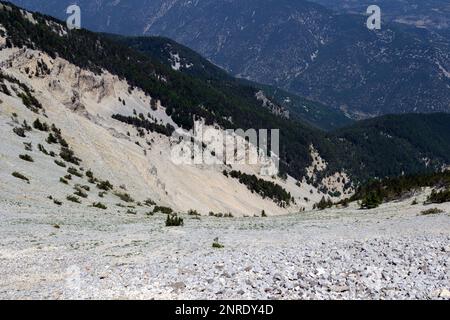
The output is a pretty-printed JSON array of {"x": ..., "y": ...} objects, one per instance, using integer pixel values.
[{"x": 296, "y": 45}]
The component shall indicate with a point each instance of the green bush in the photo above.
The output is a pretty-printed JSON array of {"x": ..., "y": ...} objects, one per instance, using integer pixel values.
[
  {"x": 51, "y": 139},
  {"x": 60, "y": 163},
  {"x": 41, "y": 126},
  {"x": 87, "y": 188},
  {"x": 193, "y": 213},
  {"x": 74, "y": 172},
  {"x": 263, "y": 214},
  {"x": 129, "y": 211},
  {"x": 99, "y": 205},
  {"x": 62, "y": 180},
  {"x": 125, "y": 197},
  {"x": 57, "y": 202},
  {"x": 371, "y": 201},
  {"x": 323, "y": 204},
  {"x": 149, "y": 203},
  {"x": 174, "y": 221},
  {"x": 431, "y": 211},
  {"x": 79, "y": 192},
  {"x": 105, "y": 185},
  {"x": 164, "y": 210},
  {"x": 20, "y": 176},
  {"x": 217, "y": 245},
  {"x": 26, "y": 157},
  {"x": 20, "y": 132},
  {"x": 73, "y": 199},
  {"x": 42, "y": 149},
  {"x": 69, "y": 156},
  {"x": 28, "y": 146},
  {"x": 90, "y": 174},
  {"x": 439, "y": 197}
]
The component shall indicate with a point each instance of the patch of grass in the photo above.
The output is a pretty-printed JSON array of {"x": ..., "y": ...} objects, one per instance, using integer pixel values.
[
  {"x": 431, "y": 211},
  {"x": 125, "y": 197},
  {"x": 74, "y": 172},
  {"x": 174, "y": 221},
  {"x": 73, "y": 199},
  {"x": 99, "y": 205},
  {"x": 62, "y": 164},
  {"x": 20, "y": 176}
]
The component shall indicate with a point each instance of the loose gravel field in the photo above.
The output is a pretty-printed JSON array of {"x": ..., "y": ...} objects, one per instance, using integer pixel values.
[{"x": 50, "y": 252}]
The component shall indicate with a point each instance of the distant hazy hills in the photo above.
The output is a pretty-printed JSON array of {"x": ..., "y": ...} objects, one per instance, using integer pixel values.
[
  {"x": 300, "y": 46},
  {"x": 431, "y": 14}
]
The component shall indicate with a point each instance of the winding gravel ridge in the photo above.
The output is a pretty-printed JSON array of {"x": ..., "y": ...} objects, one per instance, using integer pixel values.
[{"x": 394, "y": 252}]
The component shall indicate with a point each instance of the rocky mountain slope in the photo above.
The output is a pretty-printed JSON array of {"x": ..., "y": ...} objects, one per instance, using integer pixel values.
[
  {"x": 296, "y": 45},
  {"x": 115, "y": 112}
]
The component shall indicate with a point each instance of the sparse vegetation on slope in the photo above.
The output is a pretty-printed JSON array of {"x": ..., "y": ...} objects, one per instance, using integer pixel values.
[{"x": 265, "y": 189}]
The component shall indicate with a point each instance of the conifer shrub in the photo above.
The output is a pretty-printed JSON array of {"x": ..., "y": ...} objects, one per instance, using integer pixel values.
[
  {"x": 371, "y": 201},
  {"x": 41, "y": 126},
  {"x": 431, "y": 211},
  {"x": 174, "y": 221},
  {"x": 105, "y": 185},
  {"x": 164, "y": 210},
  {"x": 20, "y": 176},
  {"x": 61, "y": 163},
  {"x": 125, "y": 197},
  {"x": 26, "y": 157},
  {"x": 20, "y": 132},
  {"x": 75, "y": 172},
  {"x": 439, "y": 196},
  {"x": 73, "y": 199},
  {"x": 99, "y": 205}
]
